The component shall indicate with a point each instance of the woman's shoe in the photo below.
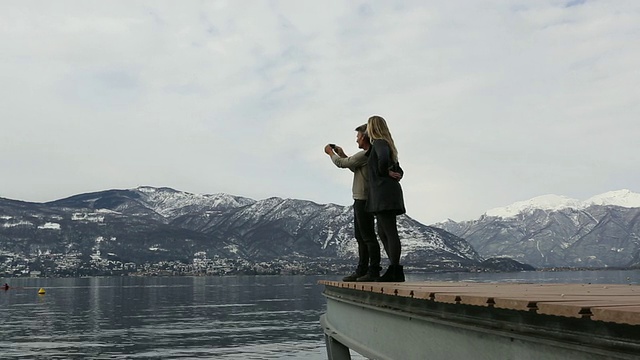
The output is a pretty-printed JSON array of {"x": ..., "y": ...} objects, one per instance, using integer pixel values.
[{"x": 394, "y": 273}]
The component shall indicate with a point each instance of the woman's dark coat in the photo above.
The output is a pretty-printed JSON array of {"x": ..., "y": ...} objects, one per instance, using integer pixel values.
[{"x": 385, "y": 193}]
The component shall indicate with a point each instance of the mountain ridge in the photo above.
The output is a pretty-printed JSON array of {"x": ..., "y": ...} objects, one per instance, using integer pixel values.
[
  {"x": 157, "y": 225},
  {"x": 622, "y": 198},
  {"x": 602, "y": 231}
]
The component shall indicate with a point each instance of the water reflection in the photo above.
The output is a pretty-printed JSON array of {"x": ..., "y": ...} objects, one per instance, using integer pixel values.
[
  {"x": 262, "y": 317},
  {"x": 180, "y": 317}
]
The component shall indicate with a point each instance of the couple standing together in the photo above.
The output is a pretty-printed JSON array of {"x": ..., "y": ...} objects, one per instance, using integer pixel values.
[{"x": 376, "y": 191}]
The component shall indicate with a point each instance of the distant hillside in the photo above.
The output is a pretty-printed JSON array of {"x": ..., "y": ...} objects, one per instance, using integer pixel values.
[
  {"x": 151, "y": 225},
  {"x": 558, "y": 231}
]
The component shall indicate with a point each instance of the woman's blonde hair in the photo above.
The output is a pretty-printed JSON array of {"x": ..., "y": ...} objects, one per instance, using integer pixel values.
[{"x": 377, "y": 129}]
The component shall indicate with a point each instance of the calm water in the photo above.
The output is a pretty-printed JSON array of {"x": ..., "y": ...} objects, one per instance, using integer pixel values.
[{"x": 261, "y": 317}]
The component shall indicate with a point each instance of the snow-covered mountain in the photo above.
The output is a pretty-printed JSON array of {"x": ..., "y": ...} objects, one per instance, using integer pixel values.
[
  {"x": 160, "y": 224},
  {"x": 623, "y": 198},
  {"x": 165, "y": 202},
  {"x": 553, "y": 230}
]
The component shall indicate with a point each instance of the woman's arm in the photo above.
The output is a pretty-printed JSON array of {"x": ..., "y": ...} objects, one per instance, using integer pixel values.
[{"x": 384, "y": 156}]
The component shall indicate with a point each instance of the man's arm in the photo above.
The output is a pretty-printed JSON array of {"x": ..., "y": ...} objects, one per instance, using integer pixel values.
[
  {"x": 352, "y": 162},
  {"x": 340, "y": 152}
]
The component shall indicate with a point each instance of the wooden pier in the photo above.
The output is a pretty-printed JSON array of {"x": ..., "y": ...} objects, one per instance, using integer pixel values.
[{"x": 460, "y": 320}]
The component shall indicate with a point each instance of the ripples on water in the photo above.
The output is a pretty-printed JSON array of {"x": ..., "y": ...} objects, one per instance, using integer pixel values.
[
  {"x": 169, "y": 318},
  {"x": 262, "y": 317}
]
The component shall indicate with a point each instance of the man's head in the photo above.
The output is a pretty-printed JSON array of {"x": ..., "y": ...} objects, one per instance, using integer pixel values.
[{"x": 362, "y": 138}]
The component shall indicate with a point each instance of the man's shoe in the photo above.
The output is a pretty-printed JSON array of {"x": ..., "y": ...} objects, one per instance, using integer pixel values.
[
  {"x": 352, "y": 277},
  {"x": 372, "y": 275},
  {"x": 360, "y": 271},
  {"x": 368, "y": 277}
]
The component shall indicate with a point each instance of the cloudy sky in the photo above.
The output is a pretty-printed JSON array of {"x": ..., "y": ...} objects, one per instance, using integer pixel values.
[{"x": 489, "y": 102}]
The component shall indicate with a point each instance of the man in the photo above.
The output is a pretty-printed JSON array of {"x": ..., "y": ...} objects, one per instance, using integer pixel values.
[{"x": 368, "y": 248}]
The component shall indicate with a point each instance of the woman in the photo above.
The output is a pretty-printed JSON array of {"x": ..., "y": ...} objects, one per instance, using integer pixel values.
[{"x": 385, "y": 194}]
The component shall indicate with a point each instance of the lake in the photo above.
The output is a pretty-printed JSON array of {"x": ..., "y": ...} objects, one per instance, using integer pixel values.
[{"x": 235, "y": 317}]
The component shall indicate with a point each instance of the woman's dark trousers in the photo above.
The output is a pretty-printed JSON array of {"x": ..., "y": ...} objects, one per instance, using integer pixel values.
[{"x": 388, "y": 232}]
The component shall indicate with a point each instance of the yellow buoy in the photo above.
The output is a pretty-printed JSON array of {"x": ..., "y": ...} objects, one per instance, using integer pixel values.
[{"x": 41, "y": 291}]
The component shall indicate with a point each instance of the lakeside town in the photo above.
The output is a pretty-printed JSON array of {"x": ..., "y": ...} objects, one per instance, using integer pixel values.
[{"x": 72, "y": 265}]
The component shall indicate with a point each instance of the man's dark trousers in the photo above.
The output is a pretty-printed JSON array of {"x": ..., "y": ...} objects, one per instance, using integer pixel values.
[{"x": 364, "y": 226}]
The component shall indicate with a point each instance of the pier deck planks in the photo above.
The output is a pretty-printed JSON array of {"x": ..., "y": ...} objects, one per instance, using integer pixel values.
[{"x": 615, "y": 303}]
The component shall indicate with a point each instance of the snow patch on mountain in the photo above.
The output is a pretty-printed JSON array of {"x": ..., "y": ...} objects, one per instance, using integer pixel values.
[
  {"x": 544, "y": 202},
  {"x": 106, "y": 211},
  {"x": 50, "y": 226},
  {"x": 92, "y": 217},
  {"x": 169, "y": 202},
  {"x": 623, "y": 198},
  {"x": 18, "y": 223}
]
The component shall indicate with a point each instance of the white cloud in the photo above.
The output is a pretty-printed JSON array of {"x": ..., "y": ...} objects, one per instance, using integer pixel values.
[{"x": 489, "y": 102}]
